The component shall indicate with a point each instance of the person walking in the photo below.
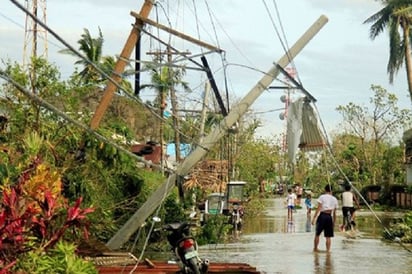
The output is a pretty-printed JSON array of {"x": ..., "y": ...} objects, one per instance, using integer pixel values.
[
  {"x": 348, "y": 198},
  {"x": 290, "y": 202},
  {"x": 325, "y": 217}
]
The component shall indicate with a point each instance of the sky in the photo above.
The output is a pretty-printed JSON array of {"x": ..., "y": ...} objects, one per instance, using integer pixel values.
[{"x": 337, "y": 66}]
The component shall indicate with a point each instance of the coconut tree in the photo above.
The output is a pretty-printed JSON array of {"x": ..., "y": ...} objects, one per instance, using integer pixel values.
[
  {"x": 95, "y": 63},
  {"x": 92, "y": 49},
  {"x": 396, "y": 16},
  {"x": 163, "y": 80}
]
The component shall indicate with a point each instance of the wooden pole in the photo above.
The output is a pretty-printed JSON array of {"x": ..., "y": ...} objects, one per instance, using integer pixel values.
[{"x": 120, "y": 66}]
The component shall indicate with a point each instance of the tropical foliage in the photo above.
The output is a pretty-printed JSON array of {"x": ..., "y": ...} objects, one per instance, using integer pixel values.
[
  {"x": 92, "y": 48},
  {"x": 395, "y": 17},
  {"x": 34, "y": 216},
  {"x": 60, "y": 259},
  {"x": 401, "y": 230},
  {"x": 95, "y": 67}
]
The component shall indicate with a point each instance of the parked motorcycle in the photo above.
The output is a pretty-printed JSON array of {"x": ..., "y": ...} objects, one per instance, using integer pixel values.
[{"x": 185, "y": 248}]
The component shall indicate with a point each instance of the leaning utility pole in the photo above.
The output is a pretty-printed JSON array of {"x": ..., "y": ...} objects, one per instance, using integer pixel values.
[
  {"x": 155, "y": 200},
  {"x": 120, "y": 66}
]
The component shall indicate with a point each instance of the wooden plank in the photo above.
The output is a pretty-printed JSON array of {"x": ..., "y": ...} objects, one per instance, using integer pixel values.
[
  {"x": 175, "y": 32},
  {"x": 160, "y": 267}
]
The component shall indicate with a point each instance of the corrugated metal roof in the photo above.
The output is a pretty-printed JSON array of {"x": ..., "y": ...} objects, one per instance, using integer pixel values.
[
  {"x": 302, "y": 129},
  {"x": 311, "y": 138}
]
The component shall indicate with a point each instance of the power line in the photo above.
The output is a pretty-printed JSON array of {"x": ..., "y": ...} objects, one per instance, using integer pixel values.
[{"x": 11, "y": 20}]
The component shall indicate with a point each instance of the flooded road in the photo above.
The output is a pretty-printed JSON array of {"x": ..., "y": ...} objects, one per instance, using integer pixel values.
[{"x": 272, "y": 246}]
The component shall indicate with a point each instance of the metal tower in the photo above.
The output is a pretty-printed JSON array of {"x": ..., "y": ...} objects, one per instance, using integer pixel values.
[{"x": 35, "y": 37}]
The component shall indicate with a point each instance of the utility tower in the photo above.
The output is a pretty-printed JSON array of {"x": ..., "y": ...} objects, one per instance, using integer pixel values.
[{"x": 35, "y": 36}]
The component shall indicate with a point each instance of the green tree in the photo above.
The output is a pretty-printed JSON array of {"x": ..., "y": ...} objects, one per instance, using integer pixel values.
[
  {"x": 164, "y": 79},
  {"x": 95, "y": 62},
  {"x": 374, "y": 130},
  {"x": 257, "y": 161},
  {"x": 397, "y": 17},
  {"x": 346, "y": 148}
]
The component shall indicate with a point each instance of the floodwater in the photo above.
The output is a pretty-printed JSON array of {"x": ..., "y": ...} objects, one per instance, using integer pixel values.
[{"x": 272, "y": 245}]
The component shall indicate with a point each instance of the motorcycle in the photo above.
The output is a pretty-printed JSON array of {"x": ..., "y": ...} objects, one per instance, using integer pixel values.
[{"x": 185, "y": 248}]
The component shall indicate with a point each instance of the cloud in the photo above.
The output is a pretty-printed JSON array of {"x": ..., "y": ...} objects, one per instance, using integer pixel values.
[{"x": 337, "y": 66}]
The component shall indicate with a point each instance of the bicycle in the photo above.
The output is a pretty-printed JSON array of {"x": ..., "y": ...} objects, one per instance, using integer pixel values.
[{"x": 349, "y": 224}]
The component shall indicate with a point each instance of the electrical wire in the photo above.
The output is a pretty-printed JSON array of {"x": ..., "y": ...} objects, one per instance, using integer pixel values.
[
  {"x": 127, "y": 93},
  {"x": 153, "y": 223},
  {"x": 222, "y": 57},
  {"x": 292, "y": 62}
]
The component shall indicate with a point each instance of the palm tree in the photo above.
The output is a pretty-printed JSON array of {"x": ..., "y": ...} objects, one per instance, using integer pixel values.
[
  {"x": 397, "y": 17},
  {"x": 164, "y": 80},
  {"x": 92, "y": 49}
]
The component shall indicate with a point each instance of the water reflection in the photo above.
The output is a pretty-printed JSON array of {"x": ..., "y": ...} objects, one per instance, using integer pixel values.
[
  {"x": 290, "y": 227},
  {"x": 275, "y": 221},
  {"x": 308, "y": 223},
  {"x": 323, "y": 263}
]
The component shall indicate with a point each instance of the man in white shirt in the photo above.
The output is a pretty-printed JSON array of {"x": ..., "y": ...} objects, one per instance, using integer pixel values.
[{"x": 325, "y": 217}]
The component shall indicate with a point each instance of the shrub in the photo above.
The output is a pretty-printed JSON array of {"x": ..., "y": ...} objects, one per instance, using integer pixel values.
[
  {"x": 60, "y": 259},
  {"x": 215, "y": 230},
  {"x": 401, "y": 230},
  {"x": 34, "y": 216}
]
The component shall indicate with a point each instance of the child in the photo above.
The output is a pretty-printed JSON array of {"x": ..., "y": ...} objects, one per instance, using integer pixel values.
[
  {"x": 308, "y": 203},
  {"x": 290, "y": 201}
]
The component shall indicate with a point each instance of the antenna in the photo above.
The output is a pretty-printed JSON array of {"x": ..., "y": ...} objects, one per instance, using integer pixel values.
[{"x": 33, "y": 32}]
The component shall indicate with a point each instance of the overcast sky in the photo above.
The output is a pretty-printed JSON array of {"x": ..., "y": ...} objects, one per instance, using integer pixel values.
[{"x": 337, "y": 66}]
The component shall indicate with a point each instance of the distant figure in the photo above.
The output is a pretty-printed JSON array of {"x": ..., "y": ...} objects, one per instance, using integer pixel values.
[
  {"x": 237, "y": 219},
  {"x": 347, "y": 205},
  {"x": 308, "y": 203},
  {"x": 280, "y": 191},
  {"x": 290, "y": 201},
  {"x": 299, "y": 193},
  {"x": 325, "y": 217}
]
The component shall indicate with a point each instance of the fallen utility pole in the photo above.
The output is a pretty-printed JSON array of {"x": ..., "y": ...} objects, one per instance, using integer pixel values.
[{"x": 155, "y": 200}]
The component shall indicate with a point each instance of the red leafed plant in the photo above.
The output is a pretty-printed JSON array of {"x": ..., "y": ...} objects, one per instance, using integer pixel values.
[{"x": 35, "y": 216}]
